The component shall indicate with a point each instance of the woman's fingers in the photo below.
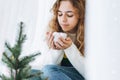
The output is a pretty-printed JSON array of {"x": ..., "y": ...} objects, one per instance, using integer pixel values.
[
  {"x": 60, "y": 44},
  {"x": 50, "y": 39},
  {"x": 63, "y": 43}
]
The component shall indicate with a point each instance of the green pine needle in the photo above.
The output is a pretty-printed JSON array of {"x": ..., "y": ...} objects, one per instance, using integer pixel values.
[
  {"x": 27, "y": 59},
  {"x": 19, "y": 67},
  {"x": 7, "y": 60}
]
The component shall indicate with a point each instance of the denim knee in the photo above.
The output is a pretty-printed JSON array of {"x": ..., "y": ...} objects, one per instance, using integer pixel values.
[
  {"x": 48, "y": 69},
  {"x": 52, "y": 72}
]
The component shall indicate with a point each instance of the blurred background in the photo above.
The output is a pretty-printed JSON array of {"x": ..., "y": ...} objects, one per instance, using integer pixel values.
[{"x": 35, "y": 14}]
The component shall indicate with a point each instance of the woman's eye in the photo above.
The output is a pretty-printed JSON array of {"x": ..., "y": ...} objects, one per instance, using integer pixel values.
[
  {"x": 59, "y": 14},
  {"x": 70, "y": 15}
]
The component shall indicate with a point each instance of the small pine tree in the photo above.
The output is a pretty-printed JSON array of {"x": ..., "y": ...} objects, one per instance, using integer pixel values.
[{"x": 19, "y": 66}]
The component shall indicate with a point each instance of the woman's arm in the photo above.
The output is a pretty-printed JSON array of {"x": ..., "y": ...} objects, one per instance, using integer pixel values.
[
  {"x": 52, "y": 57},
  {"x": 48, "y": 56},
  {"x": 76, "y": 58}
]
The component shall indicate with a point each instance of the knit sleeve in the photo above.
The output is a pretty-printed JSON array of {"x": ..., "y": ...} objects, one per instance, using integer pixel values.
[
  {"x": 47, "y": 57},
  {"x": 76, "y": 58}
]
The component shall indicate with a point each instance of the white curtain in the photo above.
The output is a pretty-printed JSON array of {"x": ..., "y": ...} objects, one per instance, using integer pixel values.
[{"x": 34, "y": 13}]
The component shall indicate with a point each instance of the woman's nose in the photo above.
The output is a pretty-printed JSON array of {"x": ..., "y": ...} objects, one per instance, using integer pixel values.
[{"x": 64, "y": 18}]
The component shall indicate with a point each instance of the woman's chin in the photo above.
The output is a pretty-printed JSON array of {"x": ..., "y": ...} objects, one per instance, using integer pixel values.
[{"x": 65, "y": 30}]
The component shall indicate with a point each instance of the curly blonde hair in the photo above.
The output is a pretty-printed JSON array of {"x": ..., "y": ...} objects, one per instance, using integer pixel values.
[{"x": 79, "y": 5}]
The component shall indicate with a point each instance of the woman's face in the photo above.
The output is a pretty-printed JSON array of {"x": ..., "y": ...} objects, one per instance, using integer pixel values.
[{"x": 67, "y": 17}]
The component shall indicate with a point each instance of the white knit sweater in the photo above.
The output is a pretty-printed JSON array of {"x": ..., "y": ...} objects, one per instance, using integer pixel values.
[{"x": 55, "y": 57}]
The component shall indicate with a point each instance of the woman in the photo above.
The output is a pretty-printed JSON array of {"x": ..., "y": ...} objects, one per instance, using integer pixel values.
[
  {"x": 66, "y": 57},
  {"x": 68, "y": 61}
]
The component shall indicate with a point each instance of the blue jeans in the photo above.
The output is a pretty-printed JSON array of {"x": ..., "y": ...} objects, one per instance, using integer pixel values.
[
  {"x": 54, "y": 72},
  {"x": 33, "y": 71}
]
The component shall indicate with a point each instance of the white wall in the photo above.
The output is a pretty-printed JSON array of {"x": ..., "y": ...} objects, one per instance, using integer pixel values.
[{"x": 103, "y": 39}]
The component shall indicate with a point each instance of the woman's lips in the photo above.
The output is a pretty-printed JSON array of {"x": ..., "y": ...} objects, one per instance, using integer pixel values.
[{"x": 64, "y": 25}]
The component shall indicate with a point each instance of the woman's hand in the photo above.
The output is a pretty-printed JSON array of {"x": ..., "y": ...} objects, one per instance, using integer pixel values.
[
  {"x": 60, "y": 44},
  {"x": 63, "y": 43},
  {"x": 50, "y": 38}
]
